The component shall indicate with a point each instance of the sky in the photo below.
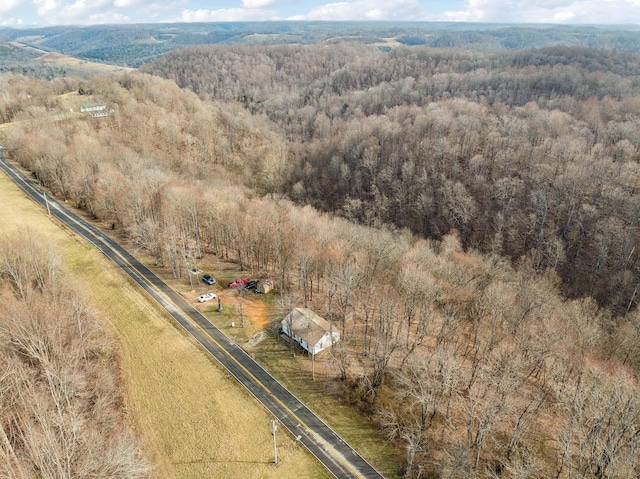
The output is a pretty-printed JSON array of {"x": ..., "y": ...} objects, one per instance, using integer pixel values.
[{"x": 88, "y": 12}]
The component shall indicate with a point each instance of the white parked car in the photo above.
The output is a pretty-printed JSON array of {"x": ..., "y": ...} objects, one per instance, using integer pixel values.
[{"x": 206, "y": 297}]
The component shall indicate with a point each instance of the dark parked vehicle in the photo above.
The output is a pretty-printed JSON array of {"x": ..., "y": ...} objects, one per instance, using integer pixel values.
[
  {"x": 250, "y": 285},
  {"x": 208, "y": 279}
]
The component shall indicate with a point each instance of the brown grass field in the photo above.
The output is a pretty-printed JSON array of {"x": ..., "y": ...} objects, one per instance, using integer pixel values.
[
  {"x": 193, "y": 419},
  {"x": 60, "y": 59}
]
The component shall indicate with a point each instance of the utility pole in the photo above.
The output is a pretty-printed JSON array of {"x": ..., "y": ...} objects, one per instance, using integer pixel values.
[{"x": 274, "y": 428}]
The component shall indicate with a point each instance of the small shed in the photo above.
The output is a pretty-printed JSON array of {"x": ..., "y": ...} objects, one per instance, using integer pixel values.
[
  {"x": 265, "y": 286},
  {"x": 311, "y": 331}
]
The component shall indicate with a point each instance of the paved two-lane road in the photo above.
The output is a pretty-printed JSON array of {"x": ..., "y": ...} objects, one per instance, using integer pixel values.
[{"x": 324, "y": 443}]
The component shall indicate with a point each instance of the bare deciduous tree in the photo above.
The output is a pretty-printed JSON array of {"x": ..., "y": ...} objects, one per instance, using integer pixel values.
[{"x": 58, "y": 397}]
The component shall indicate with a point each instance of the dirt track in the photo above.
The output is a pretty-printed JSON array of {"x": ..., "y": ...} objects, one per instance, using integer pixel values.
[{"x": 252, "y": 307}]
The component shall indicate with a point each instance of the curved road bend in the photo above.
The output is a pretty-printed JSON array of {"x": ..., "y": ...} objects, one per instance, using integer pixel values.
[{"x": 330, "y": 449}]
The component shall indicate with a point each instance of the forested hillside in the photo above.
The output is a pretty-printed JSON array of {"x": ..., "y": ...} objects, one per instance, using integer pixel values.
[
  {"x": 133, "y": 45},
  {"x": 61, "y": 408},
  {"x": 526, "y": 154},
  {"x": 473, "y": 365}
]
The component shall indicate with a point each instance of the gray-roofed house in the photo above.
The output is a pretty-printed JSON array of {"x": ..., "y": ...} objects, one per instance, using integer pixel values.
[
  {"x": 311, "y": 331},
  {"x": 96, "y": 110}
]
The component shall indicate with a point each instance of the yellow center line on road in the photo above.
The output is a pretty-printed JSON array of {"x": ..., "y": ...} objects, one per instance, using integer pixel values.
[
  {"x": 71, "y": 217},
  {"x": 99, "y": 236}
]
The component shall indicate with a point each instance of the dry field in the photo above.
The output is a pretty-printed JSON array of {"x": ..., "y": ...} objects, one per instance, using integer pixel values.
[
  {"x": 60, "y": 59},
  {"x": 195, "y": 421}
]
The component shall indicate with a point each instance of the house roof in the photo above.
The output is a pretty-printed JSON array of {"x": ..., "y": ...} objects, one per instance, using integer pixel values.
[{"x": 306, "y": 324}]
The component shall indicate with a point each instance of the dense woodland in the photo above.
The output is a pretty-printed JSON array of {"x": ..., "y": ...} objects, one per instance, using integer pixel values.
[
  {"x": 61, "y": 407},
  {"x": 527, "y": 154},
  {"x": 133, "y": 45},
  {"x": 464, "y": 346}
]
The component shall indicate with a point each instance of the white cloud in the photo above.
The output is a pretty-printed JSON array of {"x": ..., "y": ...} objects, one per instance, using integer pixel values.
[
  {"x": 11, "y": 22},
  {"x": 547, "y": 11},
  {"x": 258, "y": 3},
  {"x": 161, "y": 8},
  {"x": 47, "y": 7},
  {"x": 588, "y": 11},
  {"x": 228, "y": 15},
  {"x": 508, "y": 11},
  {"x": 57, "y": 12},
  {"x": 367, "y": 9},
  {"x": 107, "y": 18},
  {"x": 8, "y": 5},
  {"x": 564, "y": 17},
  {"x": 375, "y": 14},
  {"x": 126, "y": 3}
]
